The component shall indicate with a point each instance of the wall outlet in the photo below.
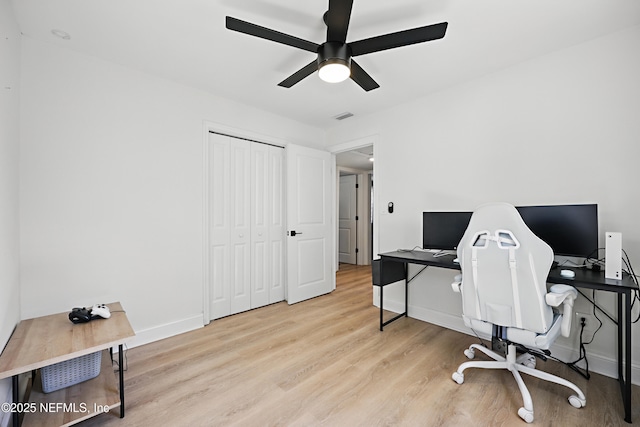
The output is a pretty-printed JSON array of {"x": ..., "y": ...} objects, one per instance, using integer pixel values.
[{"x": 591, "y": 324}]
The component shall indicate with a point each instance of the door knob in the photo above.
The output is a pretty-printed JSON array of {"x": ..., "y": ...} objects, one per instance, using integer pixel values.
[{"x": 293, "y": 233}]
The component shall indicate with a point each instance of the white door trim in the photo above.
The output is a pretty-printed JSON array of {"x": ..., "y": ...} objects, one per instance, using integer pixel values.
[{"x": 353, "y": 145}]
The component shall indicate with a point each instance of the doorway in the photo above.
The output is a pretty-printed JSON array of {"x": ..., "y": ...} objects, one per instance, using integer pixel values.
[{"x": 355, "y": 205}]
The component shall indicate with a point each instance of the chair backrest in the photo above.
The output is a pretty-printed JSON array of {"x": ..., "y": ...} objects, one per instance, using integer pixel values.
[{"x": 504, "y": 270}]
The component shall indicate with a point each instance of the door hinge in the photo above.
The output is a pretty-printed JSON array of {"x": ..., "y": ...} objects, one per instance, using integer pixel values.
[
  {"x": 357, "y": 250},
  {"x": 356, "y": 217},
  {"x": 357, "y": 186}
]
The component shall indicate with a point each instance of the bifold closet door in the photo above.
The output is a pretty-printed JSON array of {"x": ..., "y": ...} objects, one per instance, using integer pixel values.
[
  {"x": 230, "y": 209},
  {"x": 246, "y": 225}
]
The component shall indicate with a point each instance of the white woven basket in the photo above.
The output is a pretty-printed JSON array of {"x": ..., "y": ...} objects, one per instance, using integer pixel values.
[{"x": 70, "y": 372}]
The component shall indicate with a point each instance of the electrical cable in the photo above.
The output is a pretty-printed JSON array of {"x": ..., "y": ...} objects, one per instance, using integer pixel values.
[
  {"x": 482, "y": 343},
  {"x": 593, "y": 303},
  {"x": 126, "y": 361},
  {"x": 411, "y": 250},
  {"x": 584, "y": 372}
]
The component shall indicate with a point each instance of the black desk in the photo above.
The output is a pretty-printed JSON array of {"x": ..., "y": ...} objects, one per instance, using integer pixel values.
[{"x": 394, "y": 266}]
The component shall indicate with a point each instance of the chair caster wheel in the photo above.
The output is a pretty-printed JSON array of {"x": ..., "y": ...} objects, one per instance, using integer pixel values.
[
  {"x": 470, "y": 353},
  {"x": 576, "y": 402},
  {"x": 526, "y": 415},
  {"x": 458, "y": 377}
]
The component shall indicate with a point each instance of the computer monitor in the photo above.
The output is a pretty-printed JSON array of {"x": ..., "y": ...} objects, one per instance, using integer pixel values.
[
  {"x": 570, "y": 230},
  {"x": 443, "y": 230}
]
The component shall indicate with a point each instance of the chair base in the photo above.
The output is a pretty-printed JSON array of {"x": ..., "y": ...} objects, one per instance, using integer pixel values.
[{"x": 517, "y": 365}]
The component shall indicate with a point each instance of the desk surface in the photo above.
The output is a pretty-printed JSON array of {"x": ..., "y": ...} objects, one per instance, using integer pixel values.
[
  {"x": 46, "y": 340},
  {"x": 424, "y": 258},
  {"x": 584, "y": 278}
]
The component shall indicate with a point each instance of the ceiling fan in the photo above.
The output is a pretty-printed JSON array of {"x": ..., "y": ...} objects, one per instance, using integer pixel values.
[{"x": 334, "y": 63}]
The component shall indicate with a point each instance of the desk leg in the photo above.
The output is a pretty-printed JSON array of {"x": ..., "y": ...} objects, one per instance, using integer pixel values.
[
  {"x": 625, "y": 380},
  {"x": 381, "y": 320},
  {"x": 121, "y": 375},
  {"x": 386, "y": 278},
  {"x": 406, "y": 290},
  {"x": 16, "y": 397}
]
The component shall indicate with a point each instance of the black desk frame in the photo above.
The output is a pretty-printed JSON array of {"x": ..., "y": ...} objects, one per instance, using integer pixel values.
[{"x": 394, "y": 266}]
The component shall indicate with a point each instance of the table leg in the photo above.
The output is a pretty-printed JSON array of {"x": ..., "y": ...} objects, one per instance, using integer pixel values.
[
  {"x": 16, "y": 397},
  {"x": 121, "y": 375}
]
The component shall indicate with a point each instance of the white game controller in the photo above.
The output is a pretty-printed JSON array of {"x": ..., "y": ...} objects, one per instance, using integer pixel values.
[{"x": 100, "y": 310}]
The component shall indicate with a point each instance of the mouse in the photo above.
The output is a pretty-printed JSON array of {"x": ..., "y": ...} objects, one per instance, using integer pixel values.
[{"x": 567, "y": 273}]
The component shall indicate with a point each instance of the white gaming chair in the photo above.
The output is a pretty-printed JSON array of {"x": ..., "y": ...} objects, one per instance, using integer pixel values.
[{"x": 504, "y": 295}]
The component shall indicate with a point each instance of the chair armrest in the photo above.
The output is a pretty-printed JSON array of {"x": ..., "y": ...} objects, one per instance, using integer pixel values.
[
  {"x": 457, "y": 281},
  {"x": 565, "y": 295}
]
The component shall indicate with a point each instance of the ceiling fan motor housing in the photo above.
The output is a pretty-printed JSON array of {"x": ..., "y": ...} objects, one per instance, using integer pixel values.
[{"x": 334, "y": 53}]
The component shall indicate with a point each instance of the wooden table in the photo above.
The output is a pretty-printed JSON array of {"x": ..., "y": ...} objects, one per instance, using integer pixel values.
[{"x": 46, "y": 340}]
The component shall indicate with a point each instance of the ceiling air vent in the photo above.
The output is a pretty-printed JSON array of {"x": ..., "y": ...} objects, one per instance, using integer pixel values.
[{"x": 343, "y": 116}]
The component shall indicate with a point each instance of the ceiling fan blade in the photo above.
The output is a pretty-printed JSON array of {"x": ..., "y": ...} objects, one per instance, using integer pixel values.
[
  {"x": 300, "y": 74},
  {"x": 337, "y": 20},
  {"x": 361, "y": 77},
  {"x": 265, "y": 33},
  {"x": 399, "y": 39}
]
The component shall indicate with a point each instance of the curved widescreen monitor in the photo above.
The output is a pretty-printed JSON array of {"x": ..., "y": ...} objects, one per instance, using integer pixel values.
[{"x": 570, "y": 230}]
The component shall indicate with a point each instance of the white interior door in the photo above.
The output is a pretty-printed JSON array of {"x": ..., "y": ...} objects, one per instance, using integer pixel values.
[
  {"x": 347, "y": 222},
  {"x": 310, "y": 235}
]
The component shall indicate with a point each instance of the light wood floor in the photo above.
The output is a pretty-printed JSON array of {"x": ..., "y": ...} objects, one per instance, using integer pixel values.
[{"x": 324, "y": 362}]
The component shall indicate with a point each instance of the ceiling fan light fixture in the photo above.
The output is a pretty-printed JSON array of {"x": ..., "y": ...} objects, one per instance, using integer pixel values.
[
  {"x": 334, "y": 70},
  {"x": 334, "y": 62}
]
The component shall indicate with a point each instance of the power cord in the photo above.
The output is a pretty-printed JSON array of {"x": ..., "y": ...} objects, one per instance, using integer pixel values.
[
  {"x": 415, "y": 248},
  {"x": 584, "y": 372}
]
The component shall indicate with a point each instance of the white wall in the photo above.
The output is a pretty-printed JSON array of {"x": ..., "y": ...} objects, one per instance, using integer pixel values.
[
  {"x": 563, "y": 128},
  {"x": 9, "y": 152},
  {"x": 112, "y": 187}
]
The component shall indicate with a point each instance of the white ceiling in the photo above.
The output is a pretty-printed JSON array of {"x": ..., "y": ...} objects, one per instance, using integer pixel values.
[{"x": 186, "y": 41}]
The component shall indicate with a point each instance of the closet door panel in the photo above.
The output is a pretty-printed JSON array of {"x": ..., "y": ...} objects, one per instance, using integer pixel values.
[
  {"x": 240, "y": 212},
  {"x": 260, "y": 212},
  {"x": 276, "y": 224},
  {"x": 219, "y": 226}
]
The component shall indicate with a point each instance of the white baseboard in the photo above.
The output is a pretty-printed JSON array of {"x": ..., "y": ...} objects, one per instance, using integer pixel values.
[
  {"x": 167, "y": 330},
  {"x": 600, "y": 364}
]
